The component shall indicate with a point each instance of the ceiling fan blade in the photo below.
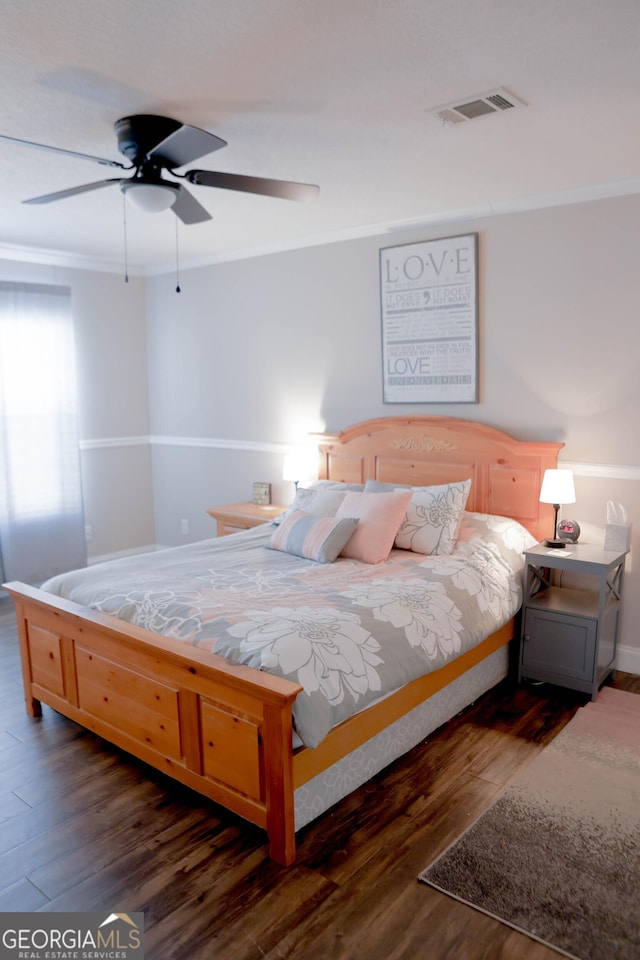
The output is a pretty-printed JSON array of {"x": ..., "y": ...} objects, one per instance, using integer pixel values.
[
  {"x": 72, "y": 191},
  {"x": 68, "y": 153},
  {"x": 284, "y": 189},
  {"x": 185, "y": 145},
  {"x": 188, "y": 209}
]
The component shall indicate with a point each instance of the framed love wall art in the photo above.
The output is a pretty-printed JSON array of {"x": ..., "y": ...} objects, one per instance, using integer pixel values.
[{"x": 429, "y": 310}]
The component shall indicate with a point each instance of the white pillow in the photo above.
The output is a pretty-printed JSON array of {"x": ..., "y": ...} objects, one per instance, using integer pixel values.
[{"x": 321, "y": 498}]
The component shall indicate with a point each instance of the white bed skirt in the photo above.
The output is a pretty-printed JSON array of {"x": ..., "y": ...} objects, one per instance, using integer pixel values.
[{"x": 344, "y": 776}]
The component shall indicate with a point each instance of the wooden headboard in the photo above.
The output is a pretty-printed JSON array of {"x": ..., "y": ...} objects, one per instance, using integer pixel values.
[{"x": 506, "y": 474}]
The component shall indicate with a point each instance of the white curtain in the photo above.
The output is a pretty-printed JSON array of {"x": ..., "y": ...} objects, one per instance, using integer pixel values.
[{"x": 41, "y": 515}]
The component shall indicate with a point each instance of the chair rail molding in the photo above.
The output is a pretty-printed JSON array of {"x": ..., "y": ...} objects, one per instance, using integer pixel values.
[
  {"x": 214, "y": 443},
  {"x": 608, "y": 471}
]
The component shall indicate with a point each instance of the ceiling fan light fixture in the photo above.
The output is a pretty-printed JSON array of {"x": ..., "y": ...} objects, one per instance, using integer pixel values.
[
  {"x": 157, "y": 144},
  {"x": 150, "y": 197}
]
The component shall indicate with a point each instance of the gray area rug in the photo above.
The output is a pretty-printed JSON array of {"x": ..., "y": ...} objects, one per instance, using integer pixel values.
[{"x": 558, "y": 855}]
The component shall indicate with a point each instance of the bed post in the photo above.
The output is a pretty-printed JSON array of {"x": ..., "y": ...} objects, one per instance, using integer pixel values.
[
  {"x": 34, "y": 706},
  {"x": 279, "y": 783}
]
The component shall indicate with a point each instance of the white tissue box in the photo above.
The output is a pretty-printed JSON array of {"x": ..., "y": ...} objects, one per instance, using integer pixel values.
[{"x": 617, "y": 537}]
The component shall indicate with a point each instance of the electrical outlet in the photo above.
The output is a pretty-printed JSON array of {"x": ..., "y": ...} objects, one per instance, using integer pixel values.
[
  {"x": 88, "y": 532},
  {"x": 184, "y": 526}
]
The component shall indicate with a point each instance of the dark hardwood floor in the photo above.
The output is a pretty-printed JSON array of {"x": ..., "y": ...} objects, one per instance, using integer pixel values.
[{"x": 86, "y": 827}]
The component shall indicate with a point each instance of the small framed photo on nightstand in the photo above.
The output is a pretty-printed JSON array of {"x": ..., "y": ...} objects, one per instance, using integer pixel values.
[{"x": 262, "y": 493}]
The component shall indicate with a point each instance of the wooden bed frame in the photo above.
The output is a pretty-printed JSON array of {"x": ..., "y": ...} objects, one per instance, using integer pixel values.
[{"x": 226, "y": 730}]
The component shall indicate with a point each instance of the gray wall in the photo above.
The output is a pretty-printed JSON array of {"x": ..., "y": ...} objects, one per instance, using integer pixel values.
[
  {"x": 261, "y": 351},
  {"x": 265, "y": 348},
  {"x": 188, "y": 398}
]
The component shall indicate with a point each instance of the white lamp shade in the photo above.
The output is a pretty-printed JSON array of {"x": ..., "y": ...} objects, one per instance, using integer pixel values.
[
  {"x": 557, "y": 487},
  {"x": 301, "y": 464},
  {"x": 151, "y": 197}
]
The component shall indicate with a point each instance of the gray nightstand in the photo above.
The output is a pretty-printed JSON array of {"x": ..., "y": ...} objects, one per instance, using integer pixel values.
[{"x": 571, "y": 616}]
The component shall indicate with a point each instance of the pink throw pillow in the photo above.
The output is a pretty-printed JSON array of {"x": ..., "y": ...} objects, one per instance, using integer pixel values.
[{"x": 380, "y": 516}]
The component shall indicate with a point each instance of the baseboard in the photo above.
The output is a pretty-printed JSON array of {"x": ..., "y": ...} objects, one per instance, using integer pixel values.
[{"x": 629, "y": 660}]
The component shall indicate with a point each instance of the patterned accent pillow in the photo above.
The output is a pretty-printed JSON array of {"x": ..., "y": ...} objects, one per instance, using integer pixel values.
[
  {"x": 314, "y": 538},
  {"x": 380, "y": 516},
  {"x": 433, "y": 516}
]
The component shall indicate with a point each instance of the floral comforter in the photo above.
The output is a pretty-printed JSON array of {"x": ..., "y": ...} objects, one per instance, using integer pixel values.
[{"x": 348, "y": 632}]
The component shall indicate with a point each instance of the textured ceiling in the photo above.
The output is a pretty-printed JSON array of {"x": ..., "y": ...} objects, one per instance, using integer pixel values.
[{"x": 333, "y": 92}]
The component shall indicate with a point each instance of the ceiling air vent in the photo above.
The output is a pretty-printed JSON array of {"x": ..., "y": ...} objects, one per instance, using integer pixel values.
[{"x": 479, "y": 106}]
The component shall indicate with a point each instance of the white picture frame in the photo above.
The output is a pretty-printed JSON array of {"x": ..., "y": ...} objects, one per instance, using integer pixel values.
[{"x": 429, "y": 316}]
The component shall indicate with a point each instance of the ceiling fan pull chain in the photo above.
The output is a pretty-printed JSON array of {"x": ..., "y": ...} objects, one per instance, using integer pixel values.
[
  {"x": 177, "y": 261},
  {"x": 124, "y": 223}
]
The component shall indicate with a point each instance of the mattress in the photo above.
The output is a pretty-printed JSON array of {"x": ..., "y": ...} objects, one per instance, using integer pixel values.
[{"x": 348, "y": 632}]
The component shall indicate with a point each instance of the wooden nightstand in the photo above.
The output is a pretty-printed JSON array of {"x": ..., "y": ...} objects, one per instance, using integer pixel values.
[{"x": 233, "y": 517}]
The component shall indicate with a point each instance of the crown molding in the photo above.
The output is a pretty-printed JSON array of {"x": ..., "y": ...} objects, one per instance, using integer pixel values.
[
  {"x": 489, "y": 208},
  {"x": 61, "y": 258}
]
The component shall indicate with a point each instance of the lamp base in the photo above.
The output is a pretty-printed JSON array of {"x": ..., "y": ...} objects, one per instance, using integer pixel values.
[{"x": 556, "y": 544}]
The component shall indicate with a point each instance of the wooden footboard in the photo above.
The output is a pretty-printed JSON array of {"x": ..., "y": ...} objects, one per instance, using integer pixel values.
[{"x": 222, "y": 729}]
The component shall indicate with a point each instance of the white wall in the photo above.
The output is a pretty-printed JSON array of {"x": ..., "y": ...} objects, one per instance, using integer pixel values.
[{"x": 262, "y": 350}]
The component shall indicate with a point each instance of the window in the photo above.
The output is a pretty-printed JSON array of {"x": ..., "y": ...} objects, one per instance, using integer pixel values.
[{"x": 41, "y": 522}]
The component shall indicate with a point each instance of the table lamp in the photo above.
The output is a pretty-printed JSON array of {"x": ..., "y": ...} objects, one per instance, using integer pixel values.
[
  {"x": 300, "y": 464},
  {"x": 557, "y": 488}
]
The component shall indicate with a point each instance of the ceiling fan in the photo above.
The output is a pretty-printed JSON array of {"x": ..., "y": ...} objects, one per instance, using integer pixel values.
[{"x": 155, "y": 145}]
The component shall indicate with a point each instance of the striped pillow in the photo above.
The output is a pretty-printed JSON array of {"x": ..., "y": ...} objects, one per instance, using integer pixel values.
[{"x": 314, "y": 538}]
